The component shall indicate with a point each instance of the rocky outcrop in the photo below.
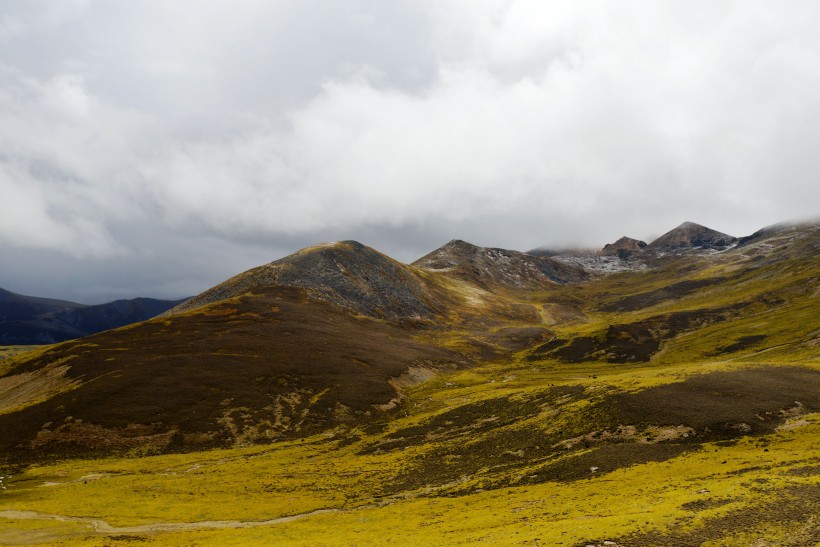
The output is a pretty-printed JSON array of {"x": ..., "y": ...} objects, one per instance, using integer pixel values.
[{"x": 623, "y": 248}]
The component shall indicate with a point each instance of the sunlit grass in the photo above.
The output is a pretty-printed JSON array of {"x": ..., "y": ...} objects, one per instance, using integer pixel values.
[{"x": 691, "y": 492}]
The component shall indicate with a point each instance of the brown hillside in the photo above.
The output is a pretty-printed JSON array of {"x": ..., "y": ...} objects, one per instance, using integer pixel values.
[
  {"x": 346, "y": 273},
  {"x": 270, "y": 365}
]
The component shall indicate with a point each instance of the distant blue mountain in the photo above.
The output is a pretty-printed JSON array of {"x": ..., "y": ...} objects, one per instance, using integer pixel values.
[{"x": 33, "y": 320}]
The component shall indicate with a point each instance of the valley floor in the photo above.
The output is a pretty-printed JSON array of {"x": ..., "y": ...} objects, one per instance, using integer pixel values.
[{"x": 338, "y": 490}]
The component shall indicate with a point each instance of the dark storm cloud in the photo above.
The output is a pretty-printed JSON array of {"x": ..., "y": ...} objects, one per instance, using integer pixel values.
[{"x": 152, "y": 148}]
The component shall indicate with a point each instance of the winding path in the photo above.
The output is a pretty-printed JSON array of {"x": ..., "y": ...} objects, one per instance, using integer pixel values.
[{"x": 103, "y": 527}]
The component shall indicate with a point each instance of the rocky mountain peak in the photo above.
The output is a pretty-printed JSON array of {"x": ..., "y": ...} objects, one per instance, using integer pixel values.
[
  {"x": 692, "y": 235},
  {"x": 452, "y": 254},
  {"x": 489, "y": 266},
  {"x": 346, "y": 273}
]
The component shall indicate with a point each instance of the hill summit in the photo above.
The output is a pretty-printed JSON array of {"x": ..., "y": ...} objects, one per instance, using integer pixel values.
[
  {"x": 691, "y": 235},
  {"x": 346, "y": 273}
]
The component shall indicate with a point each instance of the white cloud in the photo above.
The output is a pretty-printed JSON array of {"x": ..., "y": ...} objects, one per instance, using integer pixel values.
[
  {"x": 617, "y": 121},
  {"x": 33, "y": 217},
  {"x": 578, "y": 122}
]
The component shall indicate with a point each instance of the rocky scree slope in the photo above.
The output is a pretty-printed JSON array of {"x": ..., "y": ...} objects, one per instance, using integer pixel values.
[{"x": 491, "y": 267}]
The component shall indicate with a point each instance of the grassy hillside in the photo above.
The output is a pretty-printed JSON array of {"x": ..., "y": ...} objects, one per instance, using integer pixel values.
[{"x": 674, "y": 406}]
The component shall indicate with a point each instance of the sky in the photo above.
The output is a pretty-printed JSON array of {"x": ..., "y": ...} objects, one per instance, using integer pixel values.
[{"x": 156, "y": 148}]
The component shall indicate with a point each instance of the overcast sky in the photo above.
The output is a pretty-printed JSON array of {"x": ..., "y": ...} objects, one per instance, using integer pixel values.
[{"x": 155, "y": 148}]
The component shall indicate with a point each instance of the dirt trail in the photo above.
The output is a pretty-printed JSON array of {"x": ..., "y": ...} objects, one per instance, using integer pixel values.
[{"x": 103, "y": 527}]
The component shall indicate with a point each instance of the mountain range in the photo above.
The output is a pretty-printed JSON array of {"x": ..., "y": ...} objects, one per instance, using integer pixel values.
[
  {"x": 33, "y": 320},
  {"x": 471, "y": 375}
]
